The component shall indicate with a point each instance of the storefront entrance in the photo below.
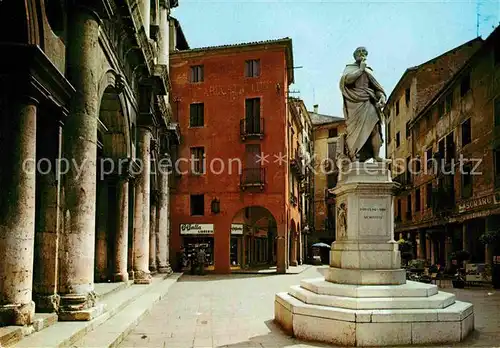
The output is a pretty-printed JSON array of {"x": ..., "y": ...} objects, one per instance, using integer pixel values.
[{"x": 195, "y": 237}]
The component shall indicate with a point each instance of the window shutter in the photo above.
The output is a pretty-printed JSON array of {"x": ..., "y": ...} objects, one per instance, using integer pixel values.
[
  {"x": 256, "y": 69},
  {"x": 192, "y": 115}
]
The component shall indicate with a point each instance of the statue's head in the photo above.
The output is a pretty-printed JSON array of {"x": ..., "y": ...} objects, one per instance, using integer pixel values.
[{"x": 360, "y": 53}]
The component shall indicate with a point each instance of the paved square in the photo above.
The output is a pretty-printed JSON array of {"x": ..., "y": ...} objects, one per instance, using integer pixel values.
[{"x": 237, "y": 311}]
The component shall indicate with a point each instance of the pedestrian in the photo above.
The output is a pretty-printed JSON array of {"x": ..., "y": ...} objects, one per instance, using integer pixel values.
[{"x": 201, "y": 257}]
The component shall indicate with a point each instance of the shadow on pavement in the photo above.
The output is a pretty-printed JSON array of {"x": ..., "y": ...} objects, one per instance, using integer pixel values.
[{"x": 186, "y": 277}]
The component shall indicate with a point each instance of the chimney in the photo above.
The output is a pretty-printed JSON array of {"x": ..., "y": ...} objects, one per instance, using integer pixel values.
[{"x": 316, "y": 107}]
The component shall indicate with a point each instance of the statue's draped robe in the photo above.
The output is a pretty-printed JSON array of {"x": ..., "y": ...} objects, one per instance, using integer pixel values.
[{"x": 360, "y": 112}]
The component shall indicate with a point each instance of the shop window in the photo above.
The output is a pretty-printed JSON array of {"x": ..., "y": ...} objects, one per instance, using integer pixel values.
[
  {"x": 417, "y": 199},
  {"x": 449, "y": 102},
  {"x": 465, "y": 85},
  {"x": 196, "y": 115},
  {"x": 197, "y": 205},
  {"x": 466, "y": 132},
  {"x": 397, "y": 139},
  {"x": 198, "y": 160},
  {"x": 332, "y": 133},
  {"x": 467, "y": 181},
  {"x": 197, "y": 72},
  {"x": 252, "y": 68},
  {"x": 407, "y": 97},
  {"x": 428, "y": 195}
]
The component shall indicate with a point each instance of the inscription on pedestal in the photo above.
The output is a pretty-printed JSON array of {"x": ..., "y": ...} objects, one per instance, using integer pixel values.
[{"x": 372, "y": 217}]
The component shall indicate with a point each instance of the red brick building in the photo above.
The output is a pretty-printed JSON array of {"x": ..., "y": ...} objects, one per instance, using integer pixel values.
[{"x": 231, "y": 189}]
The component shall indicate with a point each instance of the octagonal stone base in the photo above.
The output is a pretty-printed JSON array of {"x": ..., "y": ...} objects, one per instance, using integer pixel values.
[{"x": 371, "y": 315}]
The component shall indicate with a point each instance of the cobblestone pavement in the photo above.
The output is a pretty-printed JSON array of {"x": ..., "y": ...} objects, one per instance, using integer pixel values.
[{"x": 236, "y": 311}]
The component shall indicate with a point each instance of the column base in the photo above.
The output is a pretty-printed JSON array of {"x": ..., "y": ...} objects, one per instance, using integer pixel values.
[
  {"x": 294, "y": 263},
  {"x": 165, "y": 269},
  {"x": 142, "y": 277},
  {"x": 17, "y": 314},
  {"x": 47, "y": 303},
  {"x": 82, "y": 315},
  {"x": 120, "y": 277},
  {"x": 152, "y": 269},
  {"x": 131, "y": 275}
]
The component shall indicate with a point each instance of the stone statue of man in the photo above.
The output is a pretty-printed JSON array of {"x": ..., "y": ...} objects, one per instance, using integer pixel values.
[{"x": 364, "y": 99}]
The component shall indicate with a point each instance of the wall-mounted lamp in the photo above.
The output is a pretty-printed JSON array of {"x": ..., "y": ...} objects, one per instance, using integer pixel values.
[{"x": 215, "y": 206}]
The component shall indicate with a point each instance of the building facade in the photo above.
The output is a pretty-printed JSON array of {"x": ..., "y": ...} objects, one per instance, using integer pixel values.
[
  {"x": 450, "y": 199},
  {"x": 232, "y": 192},
  {"x": 326, "y": 132},
  {"x": 85, "y": 120}
]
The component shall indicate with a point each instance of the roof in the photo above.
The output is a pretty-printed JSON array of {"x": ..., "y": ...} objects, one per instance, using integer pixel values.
[
  {"x": 495, "y": 35},
  {"x": 321, "y": 119},
  {"x": 181, "y": 40},
  {"x": 436, "y": 72},
  {"x": 286, "y": 41}
]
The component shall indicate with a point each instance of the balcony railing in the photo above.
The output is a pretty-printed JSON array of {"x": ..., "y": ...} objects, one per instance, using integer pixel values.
[
  {"x": 252, "y": 177},
  {"x": 251, "y": 128},
  {"x": 296, "y": 164}
]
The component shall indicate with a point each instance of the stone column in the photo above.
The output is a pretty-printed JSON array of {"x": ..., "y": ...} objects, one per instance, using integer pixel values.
[
  {"x": 163, "y": 53},
  {"x": 293, "y": 258},
  {"x": 145, "y": 8},
  {"x": 152, "y": 233},
  {"x": 77, "y": 242},
  {"x": 131, "y": 223},
  {"x": 142, "y": 208},
  {"x": 163, "y": 220},
  {"x": 465, "y": 237},
  {"x": 48, "y": 222},
  {"x": 281, "y": 249},
  {"x": 120, "y": 272},
  {"x": 17, "y": 218}
]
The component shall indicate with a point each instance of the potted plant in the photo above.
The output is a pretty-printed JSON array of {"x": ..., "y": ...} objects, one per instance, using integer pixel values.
[{"x": 490, "y": 237}]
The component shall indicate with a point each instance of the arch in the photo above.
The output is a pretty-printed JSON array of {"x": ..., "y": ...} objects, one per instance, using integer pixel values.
[
  {"x": 254, "y": 244},
  {"x": 114, "y": 116}
]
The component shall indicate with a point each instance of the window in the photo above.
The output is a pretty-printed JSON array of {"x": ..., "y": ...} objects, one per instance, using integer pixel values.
[
  {"x": 407, "y": 97},
  {"x": 252, "y": 116},
  {"x": 449, "y": 102},
  {"x": 197, "y": 73},
  {"x": 465, "y": 85},
  {"x": 496, "y": 111},
  {"x": 197, "y": 205},
  {"x": 467, "y": 181},
  {"x": 496, "y": 159},
  {"x": 252, "y": 68},
  {"x": 397, "y": 107},
  {"x": 332, "y": 180},
  {"x": 252, "y": 155},
  {"x": 332, "y": 152},
  {"x": 397, "y": 139},
  {"x": 440, "y": 109},
  {"x": 196, "y": 115},
  {"x": 417, "y": 199},
  {"x": 418, "y": 165},
  {"x": 428, "y": 158},
  {"x": 399, "y": 209},
  {"x": 466, "y": 132},
  {"x": 441, "y": 149},
  {"x": 450, "y": 148},
  {"x": 198, "y": 160},
  {"x": 409, "y": 170},
  {"x": 428, "y": 195},
  {"x": 388, "y": 135},
  {"x": 332, "y": 133},
  {"x": 408, "y": 207},
  {"x": 407, "y": 129}
]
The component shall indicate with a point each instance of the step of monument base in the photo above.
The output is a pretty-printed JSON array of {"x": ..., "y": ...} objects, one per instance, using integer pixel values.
[
  {"x": 439, "y": 300},
  {"x": 348, "y": 327},
  {"x": 366, "y": 276},
  {"x": 410, "y": 289}
]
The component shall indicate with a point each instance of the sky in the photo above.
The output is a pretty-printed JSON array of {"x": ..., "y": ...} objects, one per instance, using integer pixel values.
[{"x": 324, "y": 33}]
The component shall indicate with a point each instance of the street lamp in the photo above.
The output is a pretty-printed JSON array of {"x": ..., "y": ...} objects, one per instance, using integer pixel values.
[{"x": 215, "y": 205}]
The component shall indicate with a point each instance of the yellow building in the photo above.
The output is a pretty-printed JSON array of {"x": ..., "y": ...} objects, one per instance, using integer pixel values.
[{"x": 326, "y": 131}]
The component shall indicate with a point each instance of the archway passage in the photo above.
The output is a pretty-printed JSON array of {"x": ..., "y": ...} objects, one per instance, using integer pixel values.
[
  {"x": 111, "y": 150},
  {"x": 253, "y": 239}
]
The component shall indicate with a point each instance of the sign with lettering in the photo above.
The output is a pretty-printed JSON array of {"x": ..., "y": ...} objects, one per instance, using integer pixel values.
[
  {"x": 476, "y": 203},
  {"x": 197, "y": 229},
  {"x": 372, "y": 217},
  {"x": 236, "y": 228}
]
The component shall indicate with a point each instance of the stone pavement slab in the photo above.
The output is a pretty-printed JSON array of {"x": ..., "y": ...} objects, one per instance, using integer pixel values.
[{"x": 237, "y": 311}]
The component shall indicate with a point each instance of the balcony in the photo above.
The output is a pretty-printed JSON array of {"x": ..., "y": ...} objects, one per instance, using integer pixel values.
[
  {"x": 251, "y": 128},
  {"x": 252, "y": 178},
  {"x": 293, "y": 200},
  {"x": 296, "y": 164}
]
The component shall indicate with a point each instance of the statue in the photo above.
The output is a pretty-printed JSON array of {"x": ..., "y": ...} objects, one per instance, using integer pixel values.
[
  {"x": 364, "y": 98},
  {"x": 342, "y": 221}
]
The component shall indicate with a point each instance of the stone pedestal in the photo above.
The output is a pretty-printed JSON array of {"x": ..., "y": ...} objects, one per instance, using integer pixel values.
[{"x": 364, "y": 298}]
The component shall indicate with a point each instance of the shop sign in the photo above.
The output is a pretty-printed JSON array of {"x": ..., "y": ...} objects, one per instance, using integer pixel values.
[
  {"x": 236, "y": 228},
  {"x": 197, "y": 228},
  {"x": 477, "y": 203}
]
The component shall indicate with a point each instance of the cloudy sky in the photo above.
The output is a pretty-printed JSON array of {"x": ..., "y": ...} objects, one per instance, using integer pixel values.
[{"x": 398, "y": 34}]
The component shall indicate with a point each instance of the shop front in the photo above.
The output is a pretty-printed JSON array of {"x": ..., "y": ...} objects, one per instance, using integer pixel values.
[
  {"x": 194, "y": 237},
  {"x": 236, "y": 246}
]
